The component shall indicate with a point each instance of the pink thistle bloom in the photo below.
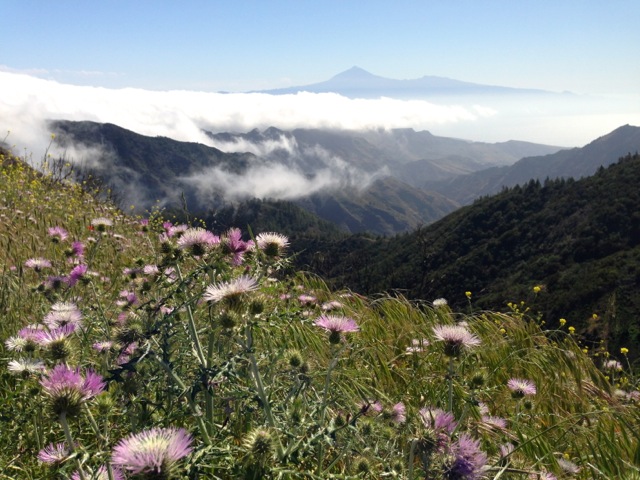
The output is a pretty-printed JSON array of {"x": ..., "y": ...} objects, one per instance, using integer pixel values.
[
  {"x": 272, "y": 244},
  {"x": 153, "y": 451},
  {"x": 54, "y": 453},
  {"x": 37, "y": 263},
  {"x": 60, "y": 334},
  {"x": 331, "y": 305},
  {"x": 233, "y": 244},
  {"x": 307, "y": 299},
  {"x": 506, "y": 449},
  {"x": 198, "y": 241},
  {"x": 438, "y": 419},
  {"x": 59, "y": 317},
  {"x": 521, "y": 388},
  {"x": 128, "y": 299},
  {"x": 151, "y": 270},
  {"x": 456, "y": 338},
  {"x": 230, "y": 291},
  {"x": 398, "y": 413},
  {"x": 613, "y": 366},
  {"x": 78, "y": 272},
  {"x": 58, "y": 234},
  {"x": 69, "y": 389},
  {"x": 497, "y": 423},
  {"x": 104, "y": 346},
  {"x": 333, "y": 323},
  {"x": 77, "y": 249},
  {"x": 336, "y": 325}
]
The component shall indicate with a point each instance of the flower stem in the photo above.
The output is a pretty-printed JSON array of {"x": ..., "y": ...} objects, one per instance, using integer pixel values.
[
  {"x": 67, "y": 435},
  {"x": 260, "y": 386},
  {"x": 191, "y": 325},
  {"x": 194, "y": 408},
  {"x": 450, "y": 375}
]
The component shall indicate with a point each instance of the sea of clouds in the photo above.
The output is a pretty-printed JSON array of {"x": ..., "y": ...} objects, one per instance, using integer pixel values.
[{"x": 27, "y": 102}]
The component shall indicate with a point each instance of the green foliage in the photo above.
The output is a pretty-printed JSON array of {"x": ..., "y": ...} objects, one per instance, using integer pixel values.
[
  {"x": 262, "y": 389},
  {"x": 578, "y": 239}
]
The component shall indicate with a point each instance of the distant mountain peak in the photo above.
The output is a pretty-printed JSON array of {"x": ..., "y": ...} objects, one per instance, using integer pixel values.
[{"x": 354, "y": 73}]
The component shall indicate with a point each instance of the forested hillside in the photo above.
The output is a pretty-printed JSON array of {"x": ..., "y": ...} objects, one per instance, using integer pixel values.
[{"x": 578, "y": 241}]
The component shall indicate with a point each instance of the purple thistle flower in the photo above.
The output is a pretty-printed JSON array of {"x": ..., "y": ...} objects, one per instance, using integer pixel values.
[
  {"x": 68, "y": 389},
  {"x": 54, "y": 453},
  {"x": 336, "y": 325},
  {"x": 233, "y": 244},
  {"x": 77, "y": 250},
  {"x": 78, "y": 272},
  {"x": 331, "y": 305},
  {"x": 307, "y": 299},
  {"x": 151, "y": 270},
  {"x": 230, "y": 292},
  {"x": 456, "y": 338},
  {"x": 152, "y": 451},
  {"x": 521, "y": 388},
  {"x": 37, "y": 263},
  {"x": 103, "y": 346},
  {"x": 497, "y": 423},
  {"x": 58, "y": 234},
  {"x": 398, "y": 413},
  {"x": 469, "y": 460},
  {"x": 506, "y": 449},
  {"x": 438, "y": 419},
  {"x": 47, "y": 337},
  {"x": 128, "y": 299}
]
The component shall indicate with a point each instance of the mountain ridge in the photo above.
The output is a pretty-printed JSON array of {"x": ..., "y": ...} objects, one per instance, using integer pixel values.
[{"x": 356, "y": 82}]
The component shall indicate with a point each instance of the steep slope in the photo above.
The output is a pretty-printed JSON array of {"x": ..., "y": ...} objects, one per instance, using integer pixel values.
[
  {"x": 143, "y": 170},
  {"x": 576, "y": 163},
  {"x": 580, "y": 240},
  {"x": 332, "y": 173},
  {"x": 386, "y": 207}
]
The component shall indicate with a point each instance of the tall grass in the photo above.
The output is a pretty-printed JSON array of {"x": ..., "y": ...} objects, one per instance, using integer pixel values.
[{"x": 261, "y": 389}]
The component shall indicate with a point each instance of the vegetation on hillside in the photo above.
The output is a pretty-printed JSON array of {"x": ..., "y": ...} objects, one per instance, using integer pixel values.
[
  {"x": 579, "y": 241},
  {"x": 140, "y": 348}
]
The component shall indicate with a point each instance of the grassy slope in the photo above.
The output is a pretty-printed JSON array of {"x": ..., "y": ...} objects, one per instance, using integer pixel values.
[{"x": 574, "y": 413}]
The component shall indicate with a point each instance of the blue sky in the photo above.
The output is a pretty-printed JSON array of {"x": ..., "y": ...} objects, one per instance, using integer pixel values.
[
  {"x": 155, "y": 66},
  {"x": 582, "y": 46}
]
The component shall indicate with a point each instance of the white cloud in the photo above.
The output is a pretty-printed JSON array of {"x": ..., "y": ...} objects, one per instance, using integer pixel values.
[{"x": 182, "y": 114}]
